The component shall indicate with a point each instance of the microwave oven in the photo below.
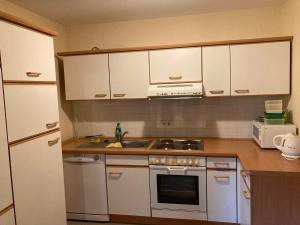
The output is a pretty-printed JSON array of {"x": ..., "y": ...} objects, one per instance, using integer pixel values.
[{"x": 263, "y": 133}]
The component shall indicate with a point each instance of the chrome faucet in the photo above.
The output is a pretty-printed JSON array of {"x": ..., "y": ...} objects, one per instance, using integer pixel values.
[{"x": 122, "y": 136}]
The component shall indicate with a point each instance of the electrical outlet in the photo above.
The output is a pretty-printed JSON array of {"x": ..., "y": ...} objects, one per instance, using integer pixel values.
[{"x": 164, "y": 124}]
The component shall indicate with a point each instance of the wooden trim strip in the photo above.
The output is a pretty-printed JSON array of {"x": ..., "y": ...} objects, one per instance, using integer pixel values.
[
  {"x": 24, "y": 82},
  {"x": 160, "y": 221},
  {"x": 33, "y": 137},
  {"x": 189, "y": 45},
  {"x": 5, "y": 210},
  {"x": 221, "y": 169},
  {"x": 127, "y": 166},
  {"x": 26, "y": 23}
]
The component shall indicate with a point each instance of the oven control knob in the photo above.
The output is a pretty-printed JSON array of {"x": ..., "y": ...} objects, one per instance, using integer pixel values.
[
  {"x": 190, "y": 162},
  {"x": 163, "y": 161},
  {"x": 184, "y": 162},
  {"x": 178, "y": 161},
  {"x": 157, "y": 161},
  {"x": 196, "y": 162}
]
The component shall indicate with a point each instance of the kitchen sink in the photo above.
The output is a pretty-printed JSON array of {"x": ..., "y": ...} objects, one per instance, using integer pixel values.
[
  {"x": 136, "y": 143},
  {"x": 94, "y": 145}
]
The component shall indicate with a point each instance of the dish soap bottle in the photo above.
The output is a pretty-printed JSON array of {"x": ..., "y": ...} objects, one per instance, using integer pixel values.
[{"x": 118, "y": 132}]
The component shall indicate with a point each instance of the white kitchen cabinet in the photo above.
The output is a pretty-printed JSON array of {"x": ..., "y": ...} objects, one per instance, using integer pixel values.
[
  {"x": 87, "y": 77},
  {"x": 5, "y": 179},
  {"x": 244, "y": 199},
  {"x": 128, "y": 190},
  {"x": 176, "y": 65},
  {"x": 216, "y": 70},
  {"x": 30, "y": 110},
  {"x": 38, "y": 182},
  {"x": 260, "y": 69},
  {"x": 26, "y": 55},
  {"x": 129, "y": 75},
  {"x": 221, "y": 196},
  {"x": 8, "y": 218}
]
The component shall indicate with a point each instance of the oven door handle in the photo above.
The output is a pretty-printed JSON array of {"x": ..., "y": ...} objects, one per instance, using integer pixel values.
[{"x": 176, "y": 168}]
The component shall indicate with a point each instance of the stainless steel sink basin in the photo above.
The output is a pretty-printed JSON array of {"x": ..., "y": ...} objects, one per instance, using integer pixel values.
[{"x": 136, "y": 143}]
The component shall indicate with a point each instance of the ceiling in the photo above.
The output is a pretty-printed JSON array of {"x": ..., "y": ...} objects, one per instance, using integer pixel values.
[{"x": 77, "y": 12}]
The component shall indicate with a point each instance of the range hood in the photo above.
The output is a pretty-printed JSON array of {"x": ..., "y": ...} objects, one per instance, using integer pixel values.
[{"x": 179, "y": 90}]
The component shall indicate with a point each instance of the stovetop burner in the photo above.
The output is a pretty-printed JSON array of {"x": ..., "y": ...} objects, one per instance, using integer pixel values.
[{"x": 169, "y": 144}]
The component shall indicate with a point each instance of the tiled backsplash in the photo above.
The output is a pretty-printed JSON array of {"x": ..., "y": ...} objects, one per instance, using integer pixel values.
[{"x": 227, "y": 117}]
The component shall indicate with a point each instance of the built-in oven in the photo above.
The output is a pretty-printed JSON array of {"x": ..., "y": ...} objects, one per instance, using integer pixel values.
[{"x": 178, "y": 187}]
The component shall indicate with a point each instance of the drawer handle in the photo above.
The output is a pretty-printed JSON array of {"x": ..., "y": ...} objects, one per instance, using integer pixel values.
[
  {"x": 222, "y": 177},
  {"x": 175, "y": 77},
  {"x": 100, "y": 95},
  {"x": 242, "y": 91},
  {"x": 221, "y": 164},
  {"x": 33, "y": 74},
  {"x": 51, "y": 125},
  {"x": 53, "y": 142},
  {"x": 246, "y": 194},
  {"x": 217, "y": 92},
  {"x": 119, "y": 95},
  {"x": 115, "y": 174}
]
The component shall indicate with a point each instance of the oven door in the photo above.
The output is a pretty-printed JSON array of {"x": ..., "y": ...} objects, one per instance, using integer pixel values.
[{"x": 178, "y": 188}]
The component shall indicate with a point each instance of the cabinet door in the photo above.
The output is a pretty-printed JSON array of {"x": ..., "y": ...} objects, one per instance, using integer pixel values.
[
  {"x": 221, "y": 196},
  {"x": 87, "y": 77},
  {"x": 8, "y": 218},
  {"x": 38, "y": 183},
  {"x": 260, "y": 69},
  {"x": 245, "y": 204},
  {"x": 5, "y": 180},
  {"x": 216, "y": 70},
  {"x": 128, "y": 191},
  {"x": 30, "y": 110},
  {"x": 129, "y": 75},
  {"x": 26, "y": 55},
  {"x": 176, "y": 65}
]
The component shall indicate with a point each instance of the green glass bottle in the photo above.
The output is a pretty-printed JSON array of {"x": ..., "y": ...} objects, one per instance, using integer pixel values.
[{"x": 118, "y": 132}]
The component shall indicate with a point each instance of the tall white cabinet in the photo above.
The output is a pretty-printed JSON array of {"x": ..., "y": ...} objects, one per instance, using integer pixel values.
[{"x": 33, "y": 137}]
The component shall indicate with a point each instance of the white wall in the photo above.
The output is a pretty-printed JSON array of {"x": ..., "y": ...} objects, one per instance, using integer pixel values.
[
  {"x": 59, "y": 45},
  {"x": 291, "y": 26}
]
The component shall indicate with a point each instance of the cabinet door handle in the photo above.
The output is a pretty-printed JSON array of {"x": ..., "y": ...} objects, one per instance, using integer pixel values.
[
  {"x": 246, "y": 194},
  {"x": 53, "y": 142},
  {"x": 115, "y": 174},
  {"x": 222, "y": 164},
  {"x": 222, "y": 177},
  {"x": 119, "y": 95},
  {"x": 216, "y": 92},
  {"x": 100, "y": 95},
  {"x": 33, "y": 74},
  {"x": 51, "y": 125},
  {"x": 242, "y": 91},
  {"x": 175, "y": 77}
]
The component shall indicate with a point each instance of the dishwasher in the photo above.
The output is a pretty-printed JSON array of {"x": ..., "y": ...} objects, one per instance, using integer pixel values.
[{"x": 85, "y": 187}]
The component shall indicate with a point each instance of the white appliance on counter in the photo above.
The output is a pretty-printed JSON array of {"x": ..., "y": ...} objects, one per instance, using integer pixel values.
[
  {"x": 263, "y": 133},
  {"x": 85, "y": 187},
  {"x": 175, "y": 90},
  {"x": 178, "y": 187}
]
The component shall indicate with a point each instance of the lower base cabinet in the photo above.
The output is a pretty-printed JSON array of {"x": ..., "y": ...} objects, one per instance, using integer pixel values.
[
  {"x": 221, "y": 196},
  {"x": 38, "y": 183},
  {"x": 8, "y": 218},
  {"x": 128, "y": 190}
]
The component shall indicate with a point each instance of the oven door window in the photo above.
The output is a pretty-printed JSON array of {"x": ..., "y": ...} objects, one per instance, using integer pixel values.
[{"x": 178, "y": 189}]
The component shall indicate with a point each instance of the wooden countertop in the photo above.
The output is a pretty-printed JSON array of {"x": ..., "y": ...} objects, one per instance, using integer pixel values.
[{"x": 252, "y": 157}]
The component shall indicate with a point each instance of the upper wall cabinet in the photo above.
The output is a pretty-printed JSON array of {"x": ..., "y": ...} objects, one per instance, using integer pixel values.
[
  {"x": 216, "y": 70},
  {"x": 260, "y": 69},
  {"x": 87, "y": 77},
  {"x": 129, "y": 75},
  {"x": 176, "y": 65},
  {"x": 27, "y": 55}
]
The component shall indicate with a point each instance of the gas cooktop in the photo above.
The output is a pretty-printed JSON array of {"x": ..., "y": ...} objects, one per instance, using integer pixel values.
[{"x": 174, "y": 144}]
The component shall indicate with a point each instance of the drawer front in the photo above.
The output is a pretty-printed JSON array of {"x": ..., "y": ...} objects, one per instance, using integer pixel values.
[
  {"x": 133, "y": 160},
  {"x": 8, "y": 218},
  {"x": 26, "y": 55},
  {"x": 30, "y": 110},
  {"x": 38, "y": 182},
  {"x": 221, "y": 163}
]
